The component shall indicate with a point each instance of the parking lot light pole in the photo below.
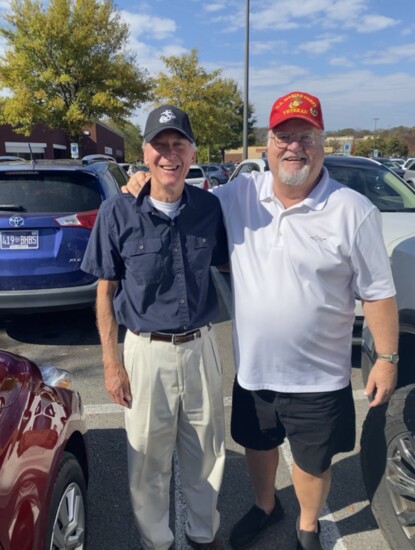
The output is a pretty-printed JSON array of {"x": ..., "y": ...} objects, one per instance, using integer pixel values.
[
  {"x": 374, "y": 137},
  {"x": 246, "y": 85}
]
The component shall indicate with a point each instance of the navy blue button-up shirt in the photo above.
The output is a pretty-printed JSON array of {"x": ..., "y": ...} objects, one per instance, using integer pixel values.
[{"x": 162, "y": 264}]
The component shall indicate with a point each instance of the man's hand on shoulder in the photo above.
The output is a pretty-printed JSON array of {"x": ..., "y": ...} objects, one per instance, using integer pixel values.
[{"x": 136, "y": 182}]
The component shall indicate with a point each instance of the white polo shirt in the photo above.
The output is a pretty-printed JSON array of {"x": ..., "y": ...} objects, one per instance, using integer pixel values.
[{"x": 295, "y": 275}]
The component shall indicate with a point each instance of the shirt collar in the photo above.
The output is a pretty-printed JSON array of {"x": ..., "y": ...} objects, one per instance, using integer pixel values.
[
  {"x": 144, "y": 205},
  {"x": 316, "y": 200}
]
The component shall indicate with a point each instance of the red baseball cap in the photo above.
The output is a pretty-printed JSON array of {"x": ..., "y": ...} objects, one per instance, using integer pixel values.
[{"x": 297, "y": 105}]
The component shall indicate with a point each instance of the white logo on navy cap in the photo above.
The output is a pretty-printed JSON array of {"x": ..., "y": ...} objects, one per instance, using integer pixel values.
[{"x": 166, "y": 116}]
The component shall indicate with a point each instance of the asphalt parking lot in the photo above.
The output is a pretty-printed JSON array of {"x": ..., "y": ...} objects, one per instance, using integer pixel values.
[{"x": 69, "y": 340}]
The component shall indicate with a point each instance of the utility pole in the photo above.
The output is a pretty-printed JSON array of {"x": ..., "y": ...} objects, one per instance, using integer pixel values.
[
  {"x": 246, "y": 85},
  {"x": 375, "y": 152}
]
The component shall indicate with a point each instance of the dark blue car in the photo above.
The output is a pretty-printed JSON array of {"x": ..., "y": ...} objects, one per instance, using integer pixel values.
[{"x": 47, "y": 211}]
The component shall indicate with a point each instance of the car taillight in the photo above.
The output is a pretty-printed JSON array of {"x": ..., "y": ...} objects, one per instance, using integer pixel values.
[
  {"x": 206, "y": 184},
  {"x": 82, "y": 219}
]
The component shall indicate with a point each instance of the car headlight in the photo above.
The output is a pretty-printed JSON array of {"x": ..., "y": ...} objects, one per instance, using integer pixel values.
[{"x": 59, "y": 378}]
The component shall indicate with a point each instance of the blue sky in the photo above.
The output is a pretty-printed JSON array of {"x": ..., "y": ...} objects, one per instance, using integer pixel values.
[{"x": 357, "y": 56}]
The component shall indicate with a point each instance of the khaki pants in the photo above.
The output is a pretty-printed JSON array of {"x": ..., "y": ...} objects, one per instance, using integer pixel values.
[{"x": 176, "y": 401}]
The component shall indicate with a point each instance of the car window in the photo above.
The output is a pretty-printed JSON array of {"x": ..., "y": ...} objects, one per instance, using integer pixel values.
[
  {"x": 195, "y": 173},
  {"x": 119, "y": 175},
  {"x": 410, "y": 166},
  {"x": 48, "y": 192},
  {"x": 382, "y": 187}
]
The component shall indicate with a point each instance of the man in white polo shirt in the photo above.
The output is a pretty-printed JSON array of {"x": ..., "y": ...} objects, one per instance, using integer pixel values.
[{"x": 302, "y": 247}]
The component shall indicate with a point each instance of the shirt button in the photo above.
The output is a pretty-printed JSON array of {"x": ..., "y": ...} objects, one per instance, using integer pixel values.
[
  {"x": 175, "y": 250},
  {"x": 141, "y": 247},
  {"x": 181, "y": 301},
  {"x": 179, "y": 275},
  {"x": 203, "y": 240},
  {"x": 185, "y": 327}
]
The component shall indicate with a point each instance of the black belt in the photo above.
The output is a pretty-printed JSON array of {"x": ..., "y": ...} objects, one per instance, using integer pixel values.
[{"x": 175, "y": 338}]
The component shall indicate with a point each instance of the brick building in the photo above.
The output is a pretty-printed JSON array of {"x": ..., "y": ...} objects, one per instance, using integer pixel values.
[{"x": 46, "y": 143}]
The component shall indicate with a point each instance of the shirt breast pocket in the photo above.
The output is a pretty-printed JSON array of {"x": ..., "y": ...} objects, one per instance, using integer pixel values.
[
  {"x": 199, "y": 252},
  {"x": 144, "y": 260}
]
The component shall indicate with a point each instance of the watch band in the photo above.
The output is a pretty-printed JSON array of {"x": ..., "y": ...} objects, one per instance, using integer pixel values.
[{"x": 390, "y": 357}]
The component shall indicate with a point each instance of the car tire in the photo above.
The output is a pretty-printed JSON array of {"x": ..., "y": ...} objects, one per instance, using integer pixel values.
[
  {"x": 388, "y": 465},
  {"x": 214, "y": 182},
  {"x": 66, "y": 526}
]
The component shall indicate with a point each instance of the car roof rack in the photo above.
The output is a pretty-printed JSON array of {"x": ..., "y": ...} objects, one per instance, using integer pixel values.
[{"x": 87, "y": 159}]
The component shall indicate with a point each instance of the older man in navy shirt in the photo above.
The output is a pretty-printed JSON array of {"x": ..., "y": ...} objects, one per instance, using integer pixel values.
[{"x": 152, "y": 255}]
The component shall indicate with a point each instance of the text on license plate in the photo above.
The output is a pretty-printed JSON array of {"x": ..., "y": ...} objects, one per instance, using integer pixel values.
[{"x": 22, "y": 239}]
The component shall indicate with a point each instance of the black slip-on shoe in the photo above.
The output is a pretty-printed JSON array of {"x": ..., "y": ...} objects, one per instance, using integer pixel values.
[
  {"x": 308, "y": 540},
  {"x": 248, "y": 529},
  {"x": 216, "y": 544}
]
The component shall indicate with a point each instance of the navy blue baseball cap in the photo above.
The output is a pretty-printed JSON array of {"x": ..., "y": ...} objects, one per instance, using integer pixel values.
[{"x": 168, "y": 117}]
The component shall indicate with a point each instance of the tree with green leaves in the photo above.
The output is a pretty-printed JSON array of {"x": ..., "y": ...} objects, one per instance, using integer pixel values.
[
  {"x": 396, "y": 148},
  {"x": 66, "y": 65},
  {"x": 214, "y": 104}
]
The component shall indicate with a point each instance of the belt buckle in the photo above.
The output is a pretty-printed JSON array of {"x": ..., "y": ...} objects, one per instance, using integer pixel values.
[{"x": 173, "y": 339}]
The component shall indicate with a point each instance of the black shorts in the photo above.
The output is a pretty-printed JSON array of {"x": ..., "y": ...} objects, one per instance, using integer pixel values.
[{"x": 317, "y": 425}]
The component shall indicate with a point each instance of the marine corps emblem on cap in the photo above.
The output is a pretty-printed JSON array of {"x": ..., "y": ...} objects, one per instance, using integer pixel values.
[
  {"x": 168, "y": 117},
  {"x": 297, "y": 105}
]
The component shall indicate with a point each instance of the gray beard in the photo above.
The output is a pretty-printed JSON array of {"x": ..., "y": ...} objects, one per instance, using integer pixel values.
[{"x": 294, "y": 178}]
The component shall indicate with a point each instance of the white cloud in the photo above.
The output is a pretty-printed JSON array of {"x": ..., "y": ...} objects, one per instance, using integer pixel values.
[
  {"x": 341, "y": 62},
  {"x": 148, "y": 57},
  {"x": 320, "y": 45},
  {"x": 374, "y": 23},
  {"x": 160, "y": 28},
  {"x": 394, "y": 54},
  {"x": 291, "y": 14},
  {"x": 277, "y": 46},
  {"x": 211, "y": 8}
]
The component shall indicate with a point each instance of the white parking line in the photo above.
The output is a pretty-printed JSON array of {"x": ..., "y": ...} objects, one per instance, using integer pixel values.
[{"x": 105, "y": 408}]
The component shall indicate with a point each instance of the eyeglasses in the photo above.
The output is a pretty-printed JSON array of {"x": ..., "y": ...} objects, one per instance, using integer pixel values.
[{"x": 284, "y": 139}]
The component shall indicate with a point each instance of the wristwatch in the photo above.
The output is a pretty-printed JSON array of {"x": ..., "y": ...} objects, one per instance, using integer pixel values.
[{"x": 390, "y": 357}]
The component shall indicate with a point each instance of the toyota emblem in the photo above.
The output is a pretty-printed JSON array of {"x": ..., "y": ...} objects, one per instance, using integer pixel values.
[{"x": 16, "y": 221}]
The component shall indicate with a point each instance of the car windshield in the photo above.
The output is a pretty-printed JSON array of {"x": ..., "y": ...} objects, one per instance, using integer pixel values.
[
  {"x": 48, "y": 192},
  {"x": 379, "y": 185}
]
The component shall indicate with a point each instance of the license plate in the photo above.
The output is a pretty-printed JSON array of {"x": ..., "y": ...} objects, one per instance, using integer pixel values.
[{"x": 19, "y": 240}]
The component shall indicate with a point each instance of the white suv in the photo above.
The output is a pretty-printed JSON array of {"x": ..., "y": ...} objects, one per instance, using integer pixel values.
[{"x": 196, "y": 176}]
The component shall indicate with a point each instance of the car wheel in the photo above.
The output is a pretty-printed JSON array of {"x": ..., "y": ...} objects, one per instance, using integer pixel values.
[
  {"x": 67, "y": 513},
  {"x": 214, "y": 182},
  {"x": 388, "y": 464}
]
